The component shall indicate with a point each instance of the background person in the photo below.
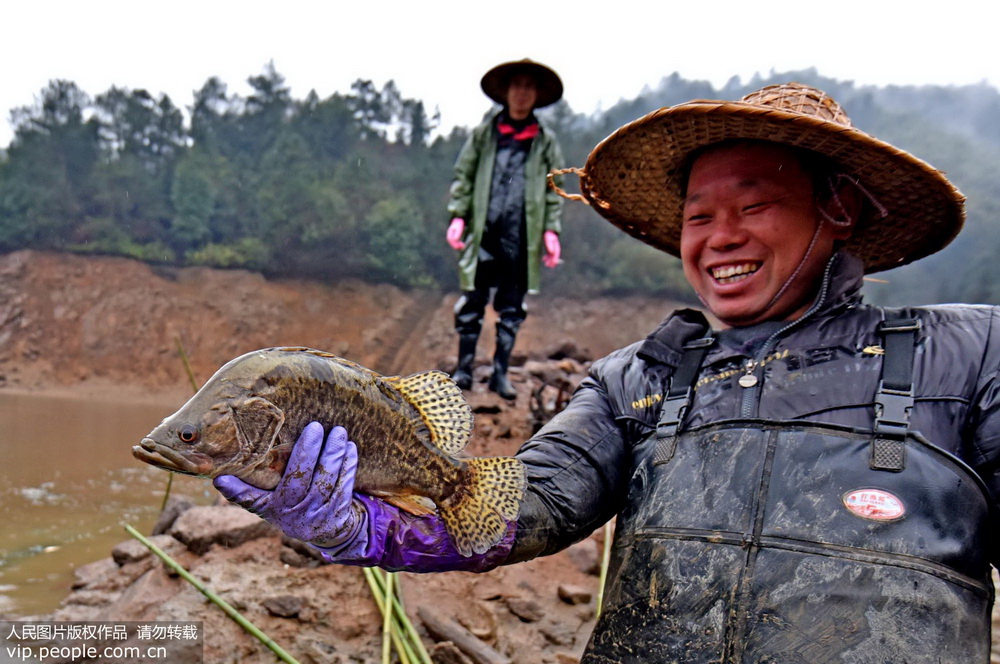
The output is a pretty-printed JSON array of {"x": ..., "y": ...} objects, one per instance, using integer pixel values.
[
  {"x": 813, "y": 482},
  {"x": 504, "y": 217}
]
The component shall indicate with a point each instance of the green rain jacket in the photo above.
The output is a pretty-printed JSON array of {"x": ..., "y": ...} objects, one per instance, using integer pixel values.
[{"x": 470, "y": 196}]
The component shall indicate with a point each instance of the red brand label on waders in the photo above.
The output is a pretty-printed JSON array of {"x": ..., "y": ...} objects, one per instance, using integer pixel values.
[{"x": 874, "y": 504}]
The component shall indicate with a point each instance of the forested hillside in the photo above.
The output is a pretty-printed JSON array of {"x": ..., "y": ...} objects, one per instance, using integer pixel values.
[{"x": 354, "y": 185}]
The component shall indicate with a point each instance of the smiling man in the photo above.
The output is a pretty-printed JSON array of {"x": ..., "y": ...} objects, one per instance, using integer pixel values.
[
  {"x": 752, "y": 244},
  {"x": 813, "y": 482}
]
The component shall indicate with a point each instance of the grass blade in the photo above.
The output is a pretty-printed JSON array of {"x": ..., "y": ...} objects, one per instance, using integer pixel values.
[{"x": 252, "y": 629}]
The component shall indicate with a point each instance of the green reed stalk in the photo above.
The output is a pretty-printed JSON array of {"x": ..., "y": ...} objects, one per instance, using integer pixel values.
[
  {"x": 400, "y": 611},
  {"x": 387, "y": 621},
  {"x": 187, "y": 363},
  {"x": 252, "y": 629},
  {"x": 398, "y": 637},
  {"x": 422, "y": 655},
  {"x": 194, "y": 386}
]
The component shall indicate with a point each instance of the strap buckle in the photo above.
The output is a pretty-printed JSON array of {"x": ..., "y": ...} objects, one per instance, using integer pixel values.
[{"x": 892, "y": 411}]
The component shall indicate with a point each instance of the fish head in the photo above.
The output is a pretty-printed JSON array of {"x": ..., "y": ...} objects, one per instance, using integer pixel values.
[{"x": 228, "y": 436}]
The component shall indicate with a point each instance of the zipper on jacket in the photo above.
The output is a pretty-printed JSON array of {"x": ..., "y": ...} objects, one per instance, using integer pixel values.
[{"x": 751, "y": 381}]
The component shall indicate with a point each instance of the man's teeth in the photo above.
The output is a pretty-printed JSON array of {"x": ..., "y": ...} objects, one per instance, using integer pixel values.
[{"x": 732, "y": 273}]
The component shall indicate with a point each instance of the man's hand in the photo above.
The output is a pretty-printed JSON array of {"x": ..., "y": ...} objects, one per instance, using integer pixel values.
[
  {"x": 552, "y": 249},
  {"x": 454, "y": 234}
]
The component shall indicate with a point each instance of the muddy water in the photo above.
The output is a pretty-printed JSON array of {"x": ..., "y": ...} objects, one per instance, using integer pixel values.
[{"x": 67, "y": 484}]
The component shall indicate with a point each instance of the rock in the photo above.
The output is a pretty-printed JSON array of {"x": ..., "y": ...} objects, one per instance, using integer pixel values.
[
  {"x": 345, "y": 630},
  {"x": 566, "y": 658},
  {"x": 142, "y": 599},
  {"x": 201, "y": 527},
  {"x": 575, "y": 594},
  {"x": 543, "y": 371},
  {"x": 479, "y": 620},
  {"x": 284, "y": 606},
  {"x": 88, "y": 598},
  {"x": 318, "y": 652},
  {"x": 569, "y": 366},
  {"x": 176, "y": 505},
  {"x": 91, "y": 573},
  {"x": 586, "y": 557},
  {"x": 303, "y": 549},
  {"x": 483, "y": 403},
  {"x": 293, "y": 558},
  {"x": 133, "y": 550},
  {"x": 446, "y": 652},
  {"x": 528, "y": 610},
  {"x": 566, "y": 348},
  {"x": 558, "y": 634}
]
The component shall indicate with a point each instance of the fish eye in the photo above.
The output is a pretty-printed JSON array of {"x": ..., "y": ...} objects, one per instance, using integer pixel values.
[{"x": 188, "y": 434}]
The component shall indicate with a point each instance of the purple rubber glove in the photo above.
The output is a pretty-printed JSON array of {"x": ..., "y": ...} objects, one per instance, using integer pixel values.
[{"x": 315, "y": 502}]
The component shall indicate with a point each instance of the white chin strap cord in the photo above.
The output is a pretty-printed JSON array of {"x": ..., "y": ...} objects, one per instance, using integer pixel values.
[{"x": 842, "y": 220}]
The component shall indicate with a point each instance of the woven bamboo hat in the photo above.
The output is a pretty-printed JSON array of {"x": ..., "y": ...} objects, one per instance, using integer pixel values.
[
  {"x": 633, "y": 177},
  {"x": 497, "y": 80}
]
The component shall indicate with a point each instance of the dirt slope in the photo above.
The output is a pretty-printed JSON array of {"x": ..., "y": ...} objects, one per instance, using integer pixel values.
[
  {"x": 71, "y": 323},
  {"x": 67, "y": 320},
  {"x": 83, "y": 325}
]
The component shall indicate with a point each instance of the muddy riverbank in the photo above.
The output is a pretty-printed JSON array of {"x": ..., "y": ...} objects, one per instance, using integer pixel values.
[
  {"x": 101, "y": 333},
  {"x": 90, "y": 338}
]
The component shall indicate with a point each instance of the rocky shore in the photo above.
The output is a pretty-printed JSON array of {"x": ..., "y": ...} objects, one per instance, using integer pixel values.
[
  {"x": 111, "y": 326},
  {"x": 541, "y": 611}
]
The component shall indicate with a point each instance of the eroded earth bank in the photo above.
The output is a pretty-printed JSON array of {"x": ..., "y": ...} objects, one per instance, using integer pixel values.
[{"x": 109, "y": 327}]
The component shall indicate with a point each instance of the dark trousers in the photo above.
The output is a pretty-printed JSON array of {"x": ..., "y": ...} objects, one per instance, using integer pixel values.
[{"x": 508, "y": 301}]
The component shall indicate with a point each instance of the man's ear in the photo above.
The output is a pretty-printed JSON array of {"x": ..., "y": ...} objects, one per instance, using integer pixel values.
[{"x": 845, "y": 209}]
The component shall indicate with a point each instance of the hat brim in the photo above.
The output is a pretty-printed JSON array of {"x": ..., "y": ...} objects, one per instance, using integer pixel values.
[
  {"x": 497, "y": 80},
  {"x": 633, "y": 177}
]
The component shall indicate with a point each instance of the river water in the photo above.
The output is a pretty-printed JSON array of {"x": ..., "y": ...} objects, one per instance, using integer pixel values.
[{"x": 68, "y": 482}]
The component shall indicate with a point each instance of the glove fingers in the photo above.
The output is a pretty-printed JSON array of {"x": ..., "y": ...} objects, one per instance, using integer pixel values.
[
  {"x": 237, "y": 491},
  {"x": 331, "y": 468},
  {"x": 344, "y": 491},
  {"x": 302, "y": 462}
]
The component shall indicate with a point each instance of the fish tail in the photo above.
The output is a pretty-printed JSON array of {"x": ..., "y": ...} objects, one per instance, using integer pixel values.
[{"x": 493, "y": 498}]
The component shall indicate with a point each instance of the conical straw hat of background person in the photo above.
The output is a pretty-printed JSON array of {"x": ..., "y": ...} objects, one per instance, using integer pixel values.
[
  {"x": 496, "y": 81},
  {"x": 633, "y": 177}
]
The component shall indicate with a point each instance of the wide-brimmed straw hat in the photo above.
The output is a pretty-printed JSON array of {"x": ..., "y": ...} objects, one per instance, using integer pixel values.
[
  {"x": 497, "y": 80},
  {"x": 633, "y": 177}
]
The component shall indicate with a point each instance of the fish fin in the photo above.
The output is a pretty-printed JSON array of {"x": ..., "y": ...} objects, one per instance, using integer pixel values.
[
  {"x": 258, "y": 422},
  {"x": 445, "y": 412},
  {"x": 418, "y": 505},
  {"x": 479, "y": 520}
]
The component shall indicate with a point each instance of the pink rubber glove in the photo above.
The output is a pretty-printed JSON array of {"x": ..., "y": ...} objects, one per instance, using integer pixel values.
[
  {"x": 454, "y": 234},
  {"x": 552, "y": 249}
]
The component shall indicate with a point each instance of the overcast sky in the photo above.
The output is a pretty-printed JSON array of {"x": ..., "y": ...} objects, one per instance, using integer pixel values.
[{"x": 438, "y": 50}]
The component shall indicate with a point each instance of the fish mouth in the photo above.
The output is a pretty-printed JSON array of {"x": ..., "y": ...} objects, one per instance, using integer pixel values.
[{"x": 161, "y": 456}]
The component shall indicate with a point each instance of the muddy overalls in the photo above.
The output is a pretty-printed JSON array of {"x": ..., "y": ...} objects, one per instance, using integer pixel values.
[{"x": 788, "y": 542}]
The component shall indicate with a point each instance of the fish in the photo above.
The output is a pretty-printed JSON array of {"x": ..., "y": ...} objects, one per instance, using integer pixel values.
[{"x": 410, "y": 433}]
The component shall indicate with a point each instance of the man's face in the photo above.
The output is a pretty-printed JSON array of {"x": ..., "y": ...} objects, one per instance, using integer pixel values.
[
  {"x": 521, "y": 96},
  {"x": 749, "y": 218}
]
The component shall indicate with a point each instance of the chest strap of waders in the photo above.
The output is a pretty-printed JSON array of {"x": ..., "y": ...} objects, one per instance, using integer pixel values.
[
  {"x": 678, "y": 397},
  {"x": 894, "y": 398}
]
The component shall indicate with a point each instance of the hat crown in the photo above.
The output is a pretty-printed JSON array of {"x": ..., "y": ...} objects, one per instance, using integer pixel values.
[{"x": 800, "y": 99}]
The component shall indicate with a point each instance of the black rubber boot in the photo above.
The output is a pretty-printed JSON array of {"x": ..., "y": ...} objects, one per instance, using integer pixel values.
[
  {"x": 466, "y": 356},
  {"x": 499, "y": 382}
]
